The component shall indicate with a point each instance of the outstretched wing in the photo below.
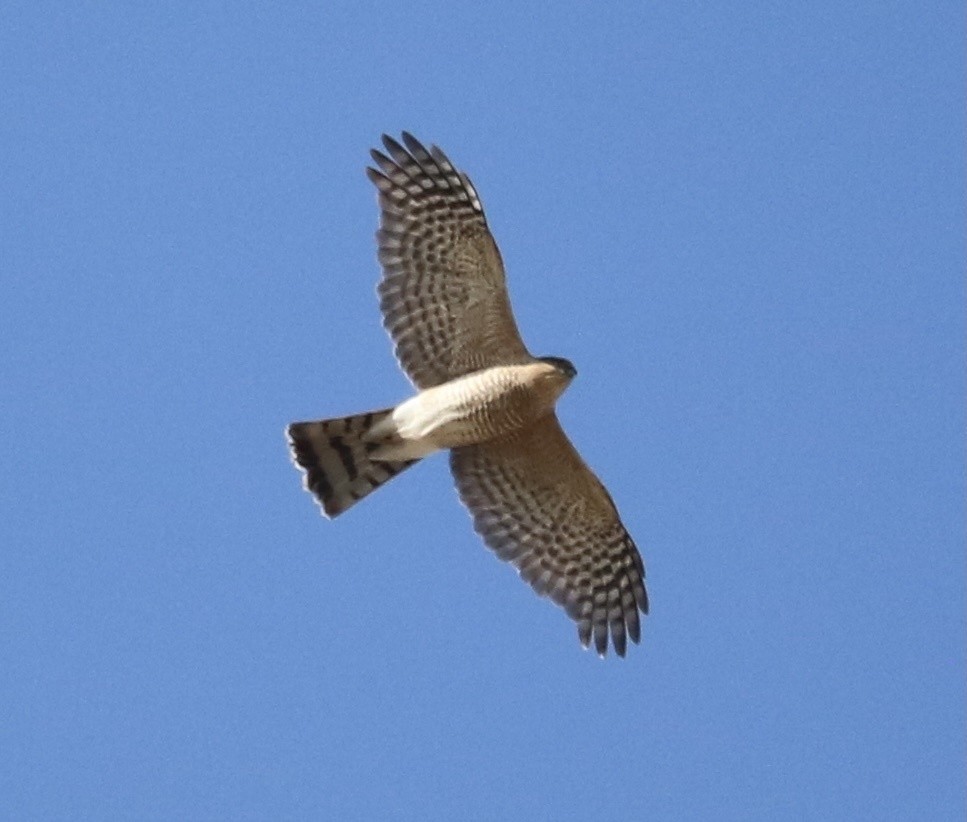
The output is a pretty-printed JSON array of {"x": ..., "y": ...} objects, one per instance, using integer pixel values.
[
  {"x": 443, "y": 294},
  {"x": 538, "y": 505}
]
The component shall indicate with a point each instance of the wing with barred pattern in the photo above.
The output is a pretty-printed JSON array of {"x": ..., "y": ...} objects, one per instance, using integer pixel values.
[
  {"x": 538, "y": 505},
  {"x": 443, "y": 294}
]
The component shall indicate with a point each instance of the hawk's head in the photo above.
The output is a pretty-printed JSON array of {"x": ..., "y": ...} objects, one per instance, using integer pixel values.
[{"x": 566, "y": 367}]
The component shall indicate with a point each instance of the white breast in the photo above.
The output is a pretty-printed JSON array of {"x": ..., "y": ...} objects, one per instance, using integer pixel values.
[{"x": 471, "y": 409}]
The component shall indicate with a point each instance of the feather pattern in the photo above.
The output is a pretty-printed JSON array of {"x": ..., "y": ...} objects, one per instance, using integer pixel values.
[
  {"x": 443, "y": 294},
  {"x": 537, "y": 505}
]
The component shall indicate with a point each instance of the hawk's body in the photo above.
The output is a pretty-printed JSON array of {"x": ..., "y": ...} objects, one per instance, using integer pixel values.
[
  {"x": 483, "y": 396},
  {"x": 481, "y": 406}
]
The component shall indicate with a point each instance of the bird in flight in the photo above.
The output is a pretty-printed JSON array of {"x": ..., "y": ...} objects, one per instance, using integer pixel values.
[{"x": 481, "y": 395}]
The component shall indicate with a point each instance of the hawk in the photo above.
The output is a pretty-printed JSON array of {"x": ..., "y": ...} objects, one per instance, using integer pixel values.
[{"x": 481, "y": 395}]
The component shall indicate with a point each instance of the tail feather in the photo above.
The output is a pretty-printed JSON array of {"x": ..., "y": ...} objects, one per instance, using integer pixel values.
[{"x": 336, "y": 461}]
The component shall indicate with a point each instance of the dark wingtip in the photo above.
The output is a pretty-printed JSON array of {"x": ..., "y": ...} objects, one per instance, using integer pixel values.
[
  {"x": 618, "y": 638},
  {"x": 392, "y": 145},
  {"x": 414, "y": 145}
]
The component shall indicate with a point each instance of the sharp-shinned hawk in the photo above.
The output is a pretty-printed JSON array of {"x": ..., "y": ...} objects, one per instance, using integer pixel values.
[{"x": 484, "y": 397}]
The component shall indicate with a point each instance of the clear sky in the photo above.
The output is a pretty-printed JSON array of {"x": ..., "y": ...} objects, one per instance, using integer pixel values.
[{"x": 743, "y": 222}]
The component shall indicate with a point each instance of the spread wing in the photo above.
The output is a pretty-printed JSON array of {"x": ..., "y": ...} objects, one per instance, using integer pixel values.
[
  {"x": 537, "y": 504},
  {"x": 443, "y": 294}
]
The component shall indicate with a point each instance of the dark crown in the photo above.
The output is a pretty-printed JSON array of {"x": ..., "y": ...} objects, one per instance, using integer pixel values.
[{"x": 566, "y": 367}]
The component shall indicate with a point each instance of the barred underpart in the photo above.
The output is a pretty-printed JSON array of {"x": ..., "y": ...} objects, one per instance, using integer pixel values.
[
  {"x": 444, "y": 301},
  {"x": 538, "y": 506},
  {"x": 443, "y": 294}
]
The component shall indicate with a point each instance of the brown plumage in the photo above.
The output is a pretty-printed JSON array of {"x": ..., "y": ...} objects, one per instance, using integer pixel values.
[{"x": 482, "y": 395}]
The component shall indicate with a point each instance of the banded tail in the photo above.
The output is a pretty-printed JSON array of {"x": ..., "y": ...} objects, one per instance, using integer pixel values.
[{"x": 336, "y": 459}]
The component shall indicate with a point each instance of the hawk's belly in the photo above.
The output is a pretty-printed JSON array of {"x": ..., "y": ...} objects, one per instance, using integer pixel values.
[{"x": 478, "y": 407}]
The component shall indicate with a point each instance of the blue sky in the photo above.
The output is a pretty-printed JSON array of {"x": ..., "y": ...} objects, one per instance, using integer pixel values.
[{"x": 745, "y": 226}]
